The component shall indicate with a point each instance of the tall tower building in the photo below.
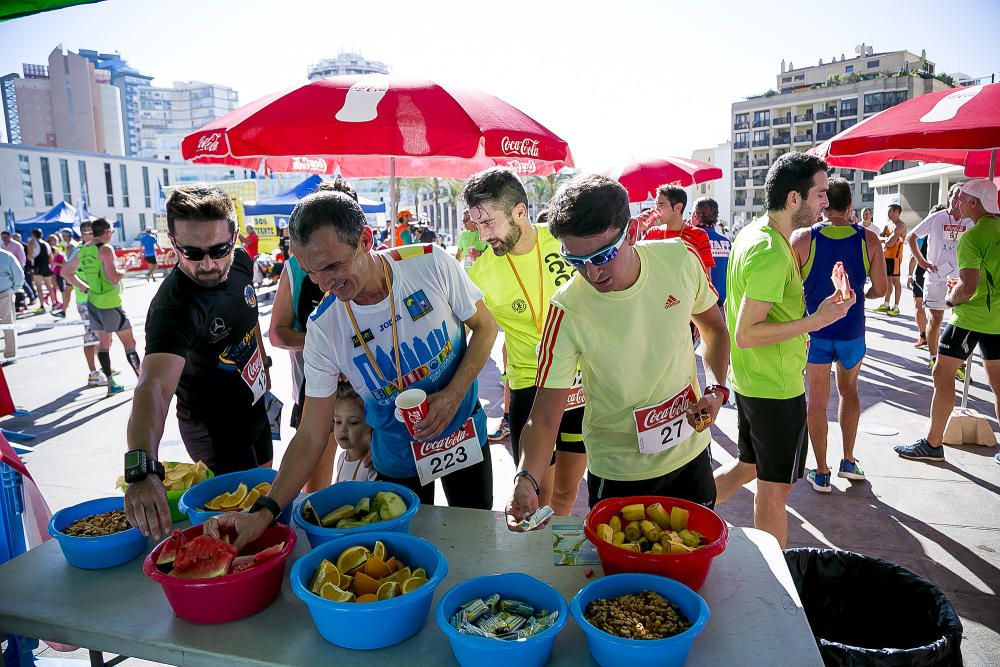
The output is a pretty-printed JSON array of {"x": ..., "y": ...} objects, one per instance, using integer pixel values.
[{"x": 346, "y": 63}]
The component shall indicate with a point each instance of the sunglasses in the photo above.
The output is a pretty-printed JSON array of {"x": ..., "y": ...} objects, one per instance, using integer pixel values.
[
  {"x": 599, "y": 258},
  {"x": 195, "y": 254}
]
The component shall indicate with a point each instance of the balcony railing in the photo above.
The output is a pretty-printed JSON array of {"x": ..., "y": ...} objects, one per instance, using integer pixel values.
[
  {"x": 740, "y": 182},
  {"x": 759, "y": 181},
  {"x": 848, "y": 111},
  {"x": 823, "y": 136},
  {"x": 782, "y": 120},
  {"x": 823, "y": 115},
  {"x": 758, "y": 201},
  {"x": 804, "y": 117},
  {"x": 743, "y": 125},
  {"x": 782, "y": 139},
  {"x": 875, "y": 108},
  {"x": 757, "y": 143},
  {"x": 741, "y": 145},
  {"x": 741, "y": 201},
  {"x": 761, "y": 123},
  {"x": 762, "y": 162},
  {"x": 803, "y": 138},
  {"x": 741, "y": 164}
]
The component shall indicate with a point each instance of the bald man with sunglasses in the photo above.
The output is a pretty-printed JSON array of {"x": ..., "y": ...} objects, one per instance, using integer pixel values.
[
  {"x": 623, "y": 320},
  {"x": 204, "y": 346}
]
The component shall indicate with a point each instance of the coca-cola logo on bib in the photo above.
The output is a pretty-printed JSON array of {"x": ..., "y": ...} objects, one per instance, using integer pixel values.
[
  {"x": 523, "y": 147},
  {"x": 317, "y": 164},
  {"x": 209, "y": 143},
  {"x": 672, "y": 408},
  {"x": 468, "y": 431}
]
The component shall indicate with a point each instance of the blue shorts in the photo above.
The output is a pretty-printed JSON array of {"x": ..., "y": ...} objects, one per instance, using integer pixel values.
[{"x": 826, "y": 351}]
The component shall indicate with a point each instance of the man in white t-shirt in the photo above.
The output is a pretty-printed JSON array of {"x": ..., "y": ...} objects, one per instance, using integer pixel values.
[
  {"x": 391, "y": 321},
  {"x": 942, "y": 229}
]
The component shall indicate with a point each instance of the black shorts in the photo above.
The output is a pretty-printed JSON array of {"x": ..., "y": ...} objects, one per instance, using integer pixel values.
[
  {"x": 958, "y": 343},
  {"x": 773, "y": 436},
  {"x": 470, "y": 487},
  {"x": 692, "y": 481},
  {"x": 892, "y": 267},
  {"x": 570, "y": 438},
  {"x": 42, "y": 269},
  {"x": 151, "y": 260},
  {"x": 242, "y": 442},
  {"x": 918, "y": 282},
  {"x": 60, "y": 282},
  {"x": 108, "y": 320}
]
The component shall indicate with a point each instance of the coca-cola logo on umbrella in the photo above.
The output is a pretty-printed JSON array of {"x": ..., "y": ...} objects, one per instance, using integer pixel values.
[
  {"x": 316, "y": 164},
  {"x": 209, "y": 143},
  {"x": 523, "y": 147},
  {"x": 522, "y": 166}
]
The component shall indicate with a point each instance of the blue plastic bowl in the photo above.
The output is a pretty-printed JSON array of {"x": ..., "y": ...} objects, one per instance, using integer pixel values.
[
  {"x": 326, "y": 500},
  {"x": 371, "y": 625},
  {"x": 483, "y": 652},
  {"x": 195, "y": 498},
  {"x": 611, "y": 651},
  {"x": 96, "y": 553}
]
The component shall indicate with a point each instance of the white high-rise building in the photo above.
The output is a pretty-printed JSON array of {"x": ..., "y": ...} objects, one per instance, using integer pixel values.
[
  {"x": 346, "y": 63},
  {"x": 167, "y": 115}
]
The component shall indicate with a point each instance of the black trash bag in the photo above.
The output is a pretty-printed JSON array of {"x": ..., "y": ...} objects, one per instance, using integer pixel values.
[{"x": 865, "y": 611}]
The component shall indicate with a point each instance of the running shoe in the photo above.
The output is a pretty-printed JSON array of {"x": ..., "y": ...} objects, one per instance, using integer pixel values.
[
  {"x": 921, "y": 343},
  {"x": 503, "y": 430},
  {"x": 114, "y": 388},
  {"x": 95, "y": 379},
  {"x": 884, "y": 308},
  {"x": 996, "y": 457},
  {"x": 921, "y": 450},
  {"x": 59, "y": 313},
  {"x": 893, "y": 311},
  {"x": 850, "y": 469},
  {"x": 960, "y": 373},
  {"x": 820, "y": 481}
]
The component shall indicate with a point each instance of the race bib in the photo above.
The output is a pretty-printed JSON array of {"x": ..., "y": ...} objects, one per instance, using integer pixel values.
[
  {"x": 255, "y": 377},
  {"x": 664, "y": 426},
  {"x": 453, "y": 452},
  {"x": 576, "y": 399}
]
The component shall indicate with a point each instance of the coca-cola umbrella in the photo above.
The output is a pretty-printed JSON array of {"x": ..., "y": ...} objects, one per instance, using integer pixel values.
[
  {"x": 349, "y": 121},
  {"x": 642, "y": 177},
  {"x": 955, "y": 126}
]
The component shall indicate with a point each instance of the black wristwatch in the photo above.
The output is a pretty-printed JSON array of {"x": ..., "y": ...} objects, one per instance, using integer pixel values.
[
  {"x": 138, "y": 465},
  {"x": 529, "y": 476},
  {"x": 712, "y": 388},
  {"x": 270, "y": 505}
]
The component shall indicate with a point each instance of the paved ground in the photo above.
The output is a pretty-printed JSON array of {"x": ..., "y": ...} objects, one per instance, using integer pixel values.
[{"x": 940, "y": 520}]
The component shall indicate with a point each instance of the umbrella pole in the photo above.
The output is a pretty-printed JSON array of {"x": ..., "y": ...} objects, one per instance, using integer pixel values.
[{"x": 393, "y": 201}]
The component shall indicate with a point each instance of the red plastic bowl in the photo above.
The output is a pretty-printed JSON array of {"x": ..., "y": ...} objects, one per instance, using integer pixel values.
[
  {"x": 232, "y": 596},
  {"x": 690, "y": 569}
]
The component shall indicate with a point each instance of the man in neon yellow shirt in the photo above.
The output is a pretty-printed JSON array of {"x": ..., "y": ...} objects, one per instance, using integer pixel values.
[
  {"x": 469, "y": 245},
  {"x": 975, "y": 320},
  {"x": 518, "y": 278},
  {"x": 764, "y": 307},
  {"x": 623, "y": 320}
]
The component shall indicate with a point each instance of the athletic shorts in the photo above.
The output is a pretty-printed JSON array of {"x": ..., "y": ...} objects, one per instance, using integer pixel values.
[
  {"x": 570, "y": 437},
  {"x": 935, "y": 291},
  {"x": 959, "y": 343},
  {"x": 42, "y": 269},
  {"x": 892, "y": 267},
  {"x": 918, "y": 282},
  {"x": 221, "y": 449},
  {"x": 773, "y": 436},
  {"x": 151, "y": 260},
  {"x": 826, "y": 351},
  {"x": 60, "y": 282},
  {"x": 108, "y": 320},
  {"x": 692, "y": 481},
  {"x": 470, "y": 487},
  {"x": 89, "y": 337}
]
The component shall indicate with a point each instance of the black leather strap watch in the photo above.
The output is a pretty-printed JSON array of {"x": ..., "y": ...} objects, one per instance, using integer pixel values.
[
  {"x": 270, "y": 505},
  {"x": 138, "y": 465},
  {"x": 720, "y": 389}
]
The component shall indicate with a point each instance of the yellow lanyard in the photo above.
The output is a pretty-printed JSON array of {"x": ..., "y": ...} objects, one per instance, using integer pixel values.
[
  {"x": 541, "y": 293},
  {"x": 795, "y": 259},
  {"x": 398, "y": 385}
]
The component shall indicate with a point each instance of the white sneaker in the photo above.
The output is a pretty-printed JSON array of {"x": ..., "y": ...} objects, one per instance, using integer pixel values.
[{"x": 95, "y": 379}]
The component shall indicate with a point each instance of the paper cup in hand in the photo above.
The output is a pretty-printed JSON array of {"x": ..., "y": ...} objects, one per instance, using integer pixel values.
[{"x": 412, "y": 407}]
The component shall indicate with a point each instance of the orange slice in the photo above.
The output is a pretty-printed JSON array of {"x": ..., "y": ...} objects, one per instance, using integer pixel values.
[
  {"x": 387, "y": 590},
  {"x": 216, "y": 503},
  {"x": 412, "y": 584},
  {"x": 419, "y": 572},
  {"x": 335, "y": 593},
  {"x": 398, "y": 577},
  {"x": 263, "y": 488},
  {"x": 363, "y": 584},
  {"x": 235, "y": 498},
  {"x": 370, "y": 597},
  {"x": 352, "y": 559},
  {"x": 249, "y": 500},
  {"x": 379, "y": 551},
  {"x": 393, "y": 564},
  {"x": 326, "y": 573},
  {"x": 376, "y": 568}
]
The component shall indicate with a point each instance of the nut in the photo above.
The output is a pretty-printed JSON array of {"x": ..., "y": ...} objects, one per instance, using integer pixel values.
[
  {"x": 645, "y": 615},
  {"x": 98, "y": 525}
]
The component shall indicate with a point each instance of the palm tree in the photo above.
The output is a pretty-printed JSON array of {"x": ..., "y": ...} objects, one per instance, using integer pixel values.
[{"x": 541, "y": 189}]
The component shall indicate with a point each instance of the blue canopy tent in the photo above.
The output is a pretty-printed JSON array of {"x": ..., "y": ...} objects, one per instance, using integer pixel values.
[
  {"x": 282, "y": 204},
  {"x": 59, "y": 216}
]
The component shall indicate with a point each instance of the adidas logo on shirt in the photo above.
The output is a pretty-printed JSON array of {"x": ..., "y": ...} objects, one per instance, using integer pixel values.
[{"x": 671, "y": 301}]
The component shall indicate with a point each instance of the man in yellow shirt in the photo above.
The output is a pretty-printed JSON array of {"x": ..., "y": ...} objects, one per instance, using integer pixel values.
[
  {"x": 517, "y": 279},
  {"x": 623, "y": 320}
]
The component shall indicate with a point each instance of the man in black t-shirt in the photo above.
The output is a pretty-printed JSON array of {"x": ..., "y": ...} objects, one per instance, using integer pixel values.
[{"x": 203, "y": 344}]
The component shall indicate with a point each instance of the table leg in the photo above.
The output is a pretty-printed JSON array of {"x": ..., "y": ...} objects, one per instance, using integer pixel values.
[{"x": 97, "y": 659}]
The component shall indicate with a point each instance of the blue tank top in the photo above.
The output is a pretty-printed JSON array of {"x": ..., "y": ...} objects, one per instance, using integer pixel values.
[{"x": 831, "y": 244}]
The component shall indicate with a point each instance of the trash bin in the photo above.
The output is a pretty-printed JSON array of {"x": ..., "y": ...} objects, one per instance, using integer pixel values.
[{"x": 866, "y": 611}]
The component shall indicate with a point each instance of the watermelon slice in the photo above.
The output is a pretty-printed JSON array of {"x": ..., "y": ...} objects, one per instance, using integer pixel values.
[
  {"x": 269, "y": 553},
  {"x": 202, "y": 558},
  {"x": 244, "y": 563},
  {"x": 840, "y": 280},
  {"x": 168, "y": 553}
]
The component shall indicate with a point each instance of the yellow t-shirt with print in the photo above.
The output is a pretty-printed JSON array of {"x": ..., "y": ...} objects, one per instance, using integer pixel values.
[
  {"x": 512, "y": 305},
  {"x": 634, "y": 350}
]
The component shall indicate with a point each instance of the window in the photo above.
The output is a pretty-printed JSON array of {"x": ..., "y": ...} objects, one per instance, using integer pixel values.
[
  {"x": 800, "y": 77},
  {"x": 849, "y": 107},
  {"x": 145, "y": 187},
  {"x": 166, "y": 177},
  {"x": 84, "y": 186},
  {"x": 891, "y": 166},
  {"x": 108, "y": 187},
  {"x": 887, "y": 189},
  {"x": 875, "y": 102},
  {"x": 26, "y": 190},
  {"x": 64, "y": 173},
  {"x": 826, "y": 130},
  {"x": 46, "y": 182},
  {"x": 786, "y": 79},
  {"x": 120, "y": 220},
  {"x": 849, "y": 69},
  {"x": 871, "y": 64},
  {"x": 124, "y": 176},
  {"x": 142, "y": 221},
  {"x": 847, "y": 122},
  {"x": 761, "y": 118}
]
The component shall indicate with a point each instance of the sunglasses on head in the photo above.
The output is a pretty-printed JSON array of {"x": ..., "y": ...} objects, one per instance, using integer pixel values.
[
  {"x": 599, "y": 258},
  {"x": 195, "y": 254}
]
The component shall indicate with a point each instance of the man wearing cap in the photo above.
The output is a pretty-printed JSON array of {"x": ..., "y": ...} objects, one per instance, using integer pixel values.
[
  {"x": 404, "y": 235},
  {"x": 975, "y": 320}
]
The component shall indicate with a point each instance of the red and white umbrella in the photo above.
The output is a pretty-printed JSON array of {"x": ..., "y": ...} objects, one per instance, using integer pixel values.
[
  {"x": 642, "y": 177},
  {"x": 377, "y": 125},
  {"x": 956, "y": 126}
]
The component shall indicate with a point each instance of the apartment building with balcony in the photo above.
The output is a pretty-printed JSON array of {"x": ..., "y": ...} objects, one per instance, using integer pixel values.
[{"x": 810, "y": 105}]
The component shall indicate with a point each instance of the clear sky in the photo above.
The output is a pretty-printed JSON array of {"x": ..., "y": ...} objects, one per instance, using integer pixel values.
[{"x": 614, "y": 78}]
